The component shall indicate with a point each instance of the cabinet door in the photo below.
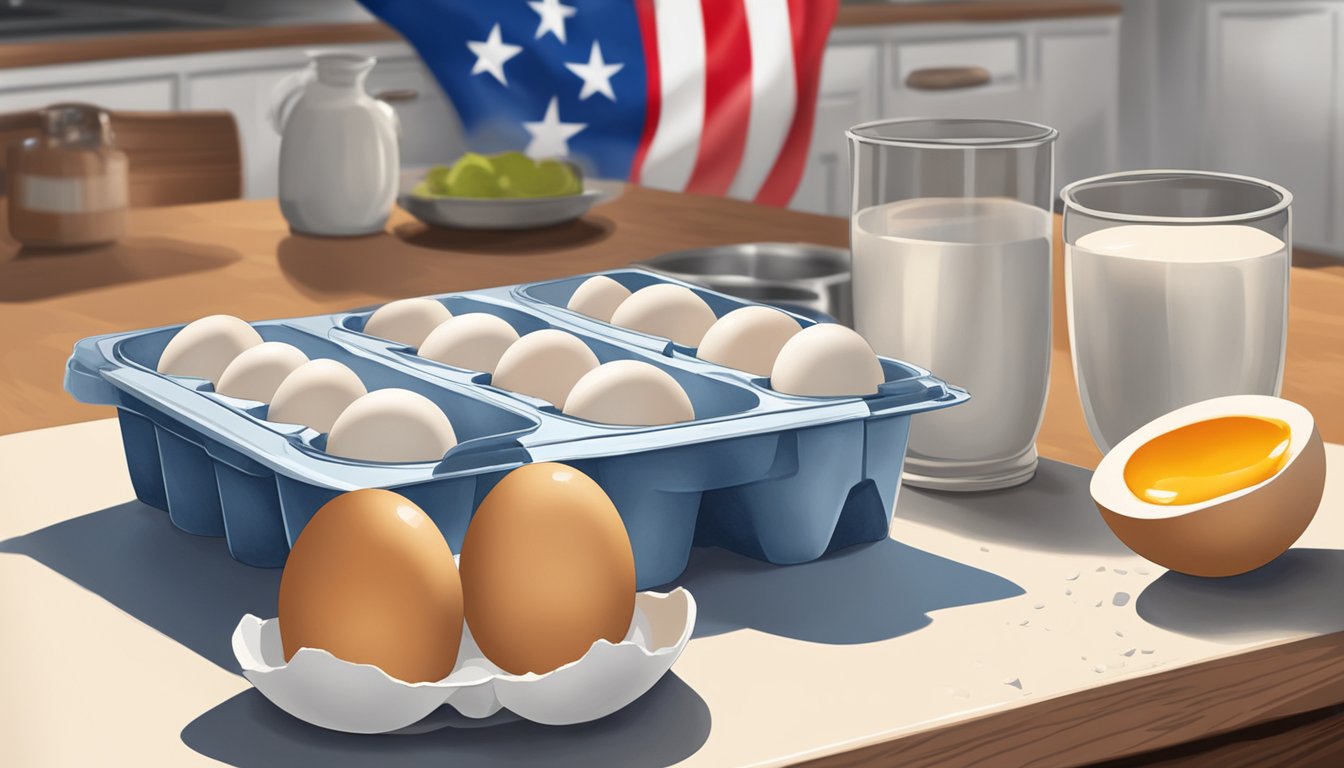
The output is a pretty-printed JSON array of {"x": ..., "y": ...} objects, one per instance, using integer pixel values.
[
  {"x": 1008, "y": 93},
  {"x": 431, "y": 132},
  {"x": 248, "y": 95},
  {"x": 142, "y": 94},
  {"x": 1270, "y": 84},
  {"x": 1079, "y": 97},
  {"x": 847, "y": 95}
]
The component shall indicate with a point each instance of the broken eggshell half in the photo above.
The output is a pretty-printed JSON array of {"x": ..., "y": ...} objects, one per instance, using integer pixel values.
[{"x": 320, "y": 689}]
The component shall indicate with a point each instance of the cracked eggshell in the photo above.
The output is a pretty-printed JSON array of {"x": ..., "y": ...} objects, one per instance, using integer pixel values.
[
  {"x": 598, "y": 297},
  {"x": 392, "y": 425},
  {"x": 748, "y": 339},
  {"x": 407, "y": 321},
  {"x": 205, "y": 347},
  {"x": 672, "y": 311},
  {"x": 314, "y": 394},
  {"x": 544, "y": 364},
  {"x": 319, "y": 688},
  {"x": 1233, "y": 533},
  {"x": 258, "y": 371},
  {"x": 474, "y": 341}
]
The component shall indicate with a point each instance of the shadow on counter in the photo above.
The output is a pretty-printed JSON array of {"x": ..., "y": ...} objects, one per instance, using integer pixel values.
[
  {"x": 1299, "y": 591},
  {"x": 667, "y": 725},
  {"x": 1052, "y": 512},
  {"x": 187, "y": 587},
  {"x": 30, "y": 274},
  {"x": 415, "y": 259},
  {"x": 861, "y": 594}
]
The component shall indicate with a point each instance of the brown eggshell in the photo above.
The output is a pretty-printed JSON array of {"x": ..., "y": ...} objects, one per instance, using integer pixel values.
[
  {"x": 372, "y": 581},
  {"x": 1234, "y": 536},
  {"x": 547, "y": 570}
]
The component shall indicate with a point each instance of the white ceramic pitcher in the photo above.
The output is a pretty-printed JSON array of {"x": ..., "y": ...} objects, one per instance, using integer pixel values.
[{"x": 339, "y": 161}]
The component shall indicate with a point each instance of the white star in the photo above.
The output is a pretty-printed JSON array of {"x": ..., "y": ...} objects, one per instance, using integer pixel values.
[
  {"x": 553, "y": 16},
  {"x": 550, "y": 137},
  {"x": 596, "y": 74},
  {"x": 491, "y": 54}
]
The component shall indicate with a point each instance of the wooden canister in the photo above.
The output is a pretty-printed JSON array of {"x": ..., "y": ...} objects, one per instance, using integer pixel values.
[{"x": 66, "y": 195}]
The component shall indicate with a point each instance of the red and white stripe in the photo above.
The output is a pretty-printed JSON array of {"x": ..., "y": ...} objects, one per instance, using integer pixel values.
[{"x": 732, "y": 88}]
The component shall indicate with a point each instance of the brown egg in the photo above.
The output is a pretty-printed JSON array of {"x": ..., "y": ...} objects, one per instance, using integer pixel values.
[
  {"x": 372, "y": 581},
  {"x": 547, "y": 570}
]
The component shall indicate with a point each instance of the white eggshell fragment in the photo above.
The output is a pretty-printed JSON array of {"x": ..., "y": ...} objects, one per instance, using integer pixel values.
[
  {"x": 748, "y": 339},
  {"x": 671, "y": 311},
  {"x": 392, "y": 425},
  {"x": 407, "y": 321},
  {"x": 314, "y": 394},
  {"x": 544, "y": 364},
  {"x": 205, "y": 347},
  {"x": 629, "y": 393},
  {"x": 826, "y": 360},
  {"x": 319, "y": 688},
  {"x": 474, "y": 341},
  {"x": 598, "y": 297},
  {"x": 257, "y": 372}
]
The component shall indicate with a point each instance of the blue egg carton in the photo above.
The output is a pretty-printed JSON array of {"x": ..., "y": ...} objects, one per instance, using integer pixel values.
[{"x": 781, "y": 478}]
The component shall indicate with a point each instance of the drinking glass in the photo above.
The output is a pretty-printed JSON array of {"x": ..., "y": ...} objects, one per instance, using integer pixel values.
[
  {"x": 1177, "y": 285},
  {"x": 951, "y": 230}
]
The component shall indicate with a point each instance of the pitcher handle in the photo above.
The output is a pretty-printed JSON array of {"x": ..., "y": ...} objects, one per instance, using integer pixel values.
[{"x": 286, "y": 94}]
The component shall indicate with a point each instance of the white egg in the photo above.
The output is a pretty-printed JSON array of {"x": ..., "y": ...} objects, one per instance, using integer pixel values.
[
  {"x": 406, "y": 321},
  {"x": 205, "y": 347},
  {"x": 544, "y": 364},
  {"x": 257, "y": 372},
  {"x": 392, "y": 425},
  {"x": 748, "y": 339},
  {"x": 314, "y": 394},
  {"x": 473, "y": 341},
  {"x": 671, "y": 311},
  {"x": 598, "y": 297},
  {"x": 826, "y": 360},
  {"x": 631, "y": 393}
]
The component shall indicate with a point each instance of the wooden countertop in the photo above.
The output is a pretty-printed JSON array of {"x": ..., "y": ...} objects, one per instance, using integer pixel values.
[
  {"x": 238, "y": 257},
  {"x": 187, "y": 41},
  {"x": 1226, "y": 655}
]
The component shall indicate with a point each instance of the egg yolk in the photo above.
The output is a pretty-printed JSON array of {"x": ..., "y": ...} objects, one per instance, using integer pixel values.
[{"x": 1207, "y": 459}]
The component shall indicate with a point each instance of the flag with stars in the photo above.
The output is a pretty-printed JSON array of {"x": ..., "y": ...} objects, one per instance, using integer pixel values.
[{"x": 707, "y": 96}]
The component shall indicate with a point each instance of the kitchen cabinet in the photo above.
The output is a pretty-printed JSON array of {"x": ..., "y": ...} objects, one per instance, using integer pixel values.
[
  {"x": 1247, "y": 86},
  {"x": 1061, "y": 72},
  {"x": 1271, "y": 108},
  {"x": 247, "y": 94},
  {"x": 244, "y": 83},
  {"x": 158, "y": 92},
  {"x": 847, "y": 95}
]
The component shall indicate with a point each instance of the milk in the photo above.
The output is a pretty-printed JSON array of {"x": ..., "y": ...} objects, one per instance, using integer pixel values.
[
  {"x": 961, "y": 286},
  {"x": 1164, "y": 316}
]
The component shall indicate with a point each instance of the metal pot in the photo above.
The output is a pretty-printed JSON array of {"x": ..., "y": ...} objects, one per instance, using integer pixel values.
[{"x": 797, "y": 276}]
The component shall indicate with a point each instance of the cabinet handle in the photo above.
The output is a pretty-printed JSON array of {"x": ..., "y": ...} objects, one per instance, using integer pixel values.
[
  {"x": 399, "y": 94},
  {"x": 947, "y": 78}
]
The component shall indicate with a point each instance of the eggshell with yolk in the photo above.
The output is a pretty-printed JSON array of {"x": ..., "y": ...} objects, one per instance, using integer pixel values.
[{"x": 1231, "y": 534}]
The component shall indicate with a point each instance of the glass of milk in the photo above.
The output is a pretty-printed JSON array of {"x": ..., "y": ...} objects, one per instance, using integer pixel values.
[
  {"x": 951, "y": 233},
  {"x": 1177, "y": 285}
]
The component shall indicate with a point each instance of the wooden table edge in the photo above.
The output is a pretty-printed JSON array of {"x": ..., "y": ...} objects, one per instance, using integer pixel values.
[{"x": 1160, "y": 708}]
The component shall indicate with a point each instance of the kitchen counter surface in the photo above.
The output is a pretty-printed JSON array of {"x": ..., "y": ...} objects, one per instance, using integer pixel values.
[
  {"x": 185, "y": 41},
  {"x": 1006, "y": 627}
]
